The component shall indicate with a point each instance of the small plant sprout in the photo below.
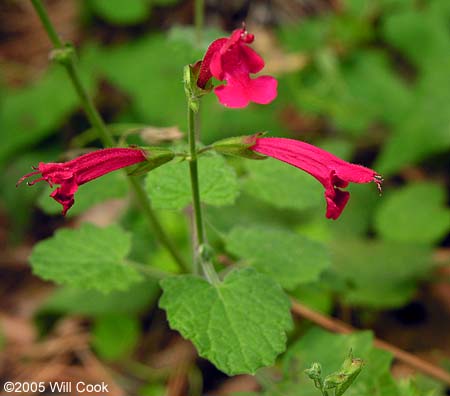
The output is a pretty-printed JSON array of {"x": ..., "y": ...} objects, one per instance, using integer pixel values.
[{"x": 339, "y": 381}]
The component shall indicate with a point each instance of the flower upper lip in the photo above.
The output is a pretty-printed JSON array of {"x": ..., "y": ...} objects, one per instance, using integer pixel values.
[{"x": 232, "y": 60}]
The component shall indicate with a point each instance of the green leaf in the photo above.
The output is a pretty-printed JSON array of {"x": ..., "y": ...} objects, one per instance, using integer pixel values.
[
  {"x": 424, "y": 128},
  {"x": 376, "y": 89},
  {"x": 88, "y": 257},
  {"x": 31, "y": 114},
  {"x": 357, "y": 217},
  {"x": 122, "y": 12},
  {"x": 240, "y": 324},
  {"x": 354, "y": 92},
  {"x": 110, "y": 186},
  {"x": 415, "y": 213},
  {"x": 115, "y": 336},
  {"x": 339, "y": 147},
  {"x": 287, "y": 257},
  {"x": 420, "y": 33},
  {"x": 152, "y": 389},
  {"x": 421, "y": 385},
  {"x": 94, "y": 303},
  {"x": 379, "y": 274},
  {"x": 358, "y": 8},
  {"x": 169, "y": 186},
  {"x": 282, "y": 185},
  {"x": 328, "y": 349},
  {"x": 150, "y": 71},
  {"x": 19, "y": 202},
  {"x": 307, "y": 36},
  {"x": 314, "y": 296}
]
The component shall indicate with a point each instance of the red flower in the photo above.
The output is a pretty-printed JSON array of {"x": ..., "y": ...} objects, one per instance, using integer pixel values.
[
  {"x": 333, "y": 172},
  {"x": 69, "y": 175},
  {"x": 230, "y": 59}
]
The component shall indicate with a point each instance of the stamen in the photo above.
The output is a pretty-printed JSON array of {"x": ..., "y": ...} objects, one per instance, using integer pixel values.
[
  {"x": 378, "y": 179},
  {"x": 33, "y": 182},
  {"x": 246, "y": 37},
  {"x": 20, "y": 181}
]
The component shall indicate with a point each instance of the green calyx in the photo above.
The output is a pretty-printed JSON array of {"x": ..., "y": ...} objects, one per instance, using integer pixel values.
[
  {"x": 239, "y": 146},
  {"x": 156, "y": 156},
  {"x": 192, "y": 90}
]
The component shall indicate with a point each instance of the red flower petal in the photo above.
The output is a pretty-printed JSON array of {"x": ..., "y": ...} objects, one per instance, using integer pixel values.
[
  {"x": 69, "y": 175},
  {"x": 333, "y": 172},
  {"x": 233, "y": 61}
]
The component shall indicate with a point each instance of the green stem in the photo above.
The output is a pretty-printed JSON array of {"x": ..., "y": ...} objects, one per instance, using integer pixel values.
[
  {"x": 200, "y": 245},
  {"x": 199, "y": 13},
  {"x": 103, "y": 133},
  {"x": 48, "y": 26},
  {"x": 150, "y": 214},
  {"x": 88, "y": 106},
  {"x": 193, "y": 170}
]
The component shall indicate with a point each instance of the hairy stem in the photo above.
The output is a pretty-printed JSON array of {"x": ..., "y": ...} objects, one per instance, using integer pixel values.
[
  {"x": 103, "y": 133},
  {"x": 200, "y": 255},
  {"x": 193, "y": 170},
  {"x": 89, "y": 107}
]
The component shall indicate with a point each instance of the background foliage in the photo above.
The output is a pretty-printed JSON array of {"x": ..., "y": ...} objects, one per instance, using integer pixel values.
[{"x": 366, "y": 80}]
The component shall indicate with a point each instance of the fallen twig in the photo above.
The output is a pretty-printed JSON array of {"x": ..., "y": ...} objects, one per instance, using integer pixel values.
[{"x": 338, "y": 326}]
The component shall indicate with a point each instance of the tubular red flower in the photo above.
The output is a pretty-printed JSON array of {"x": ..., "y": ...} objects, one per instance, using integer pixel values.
[
  {"x": 230, "y": 59},
  {"x": 333, "y": 172},
  {"x": 69, "y": 175}
]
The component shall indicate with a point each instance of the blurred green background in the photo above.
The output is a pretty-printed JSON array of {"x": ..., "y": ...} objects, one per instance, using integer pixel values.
[{"x": 368, "y": 80}]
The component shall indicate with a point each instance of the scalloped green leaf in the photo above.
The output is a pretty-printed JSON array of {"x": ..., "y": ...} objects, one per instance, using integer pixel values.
[
  {"x": 87, "y": 258},
  {"x": 240, "y": 324},
  {"x": 415, "y": 213},
  {"x": 169, "y": 186},
  {"x": 289, "y": 258}
]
